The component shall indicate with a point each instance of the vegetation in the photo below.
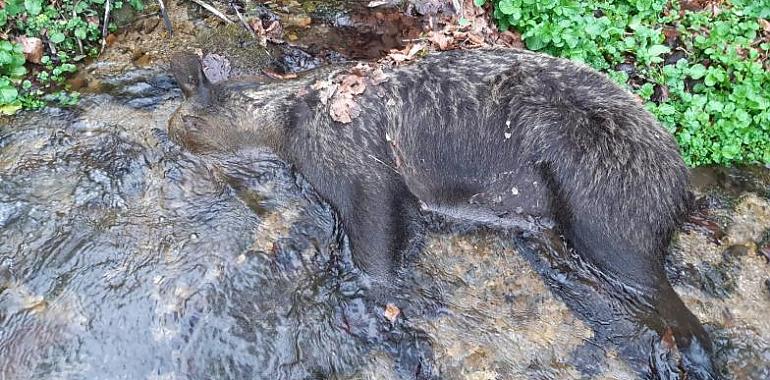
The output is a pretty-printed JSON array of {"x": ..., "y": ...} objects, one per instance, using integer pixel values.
[
  {"x": 703, "y": 71},
  {"x": 61, "y": 33}
]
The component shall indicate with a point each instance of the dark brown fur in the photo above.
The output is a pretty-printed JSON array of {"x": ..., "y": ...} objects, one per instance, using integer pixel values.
[{"x": 502, "y": 137}]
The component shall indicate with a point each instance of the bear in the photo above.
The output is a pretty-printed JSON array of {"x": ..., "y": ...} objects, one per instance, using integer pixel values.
[{"x": 494, "y": 136}]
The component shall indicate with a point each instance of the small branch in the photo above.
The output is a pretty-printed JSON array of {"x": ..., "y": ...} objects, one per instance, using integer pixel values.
[
  {"x": 105, "y": 23},
  {"x": 80, "y": 43},
  {"x": 213, "y": 10},
  {"x": 166, "y": 20},
  {"x": 243, "y": 21}
]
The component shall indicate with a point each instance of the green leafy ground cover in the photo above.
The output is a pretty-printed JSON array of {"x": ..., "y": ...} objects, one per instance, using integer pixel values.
[
  {"x": 70, "y": 31},
  {"x": 700, "y": 66}
]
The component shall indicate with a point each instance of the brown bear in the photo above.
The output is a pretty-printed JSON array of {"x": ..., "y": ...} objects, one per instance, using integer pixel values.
[{"x": 501, "y": 137}]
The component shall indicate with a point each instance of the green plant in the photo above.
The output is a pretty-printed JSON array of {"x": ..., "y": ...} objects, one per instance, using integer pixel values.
[
  {"x": 70, "y": 30},
  {"x": 704, "y": 74},
  {"x": 11, "y": 71}
]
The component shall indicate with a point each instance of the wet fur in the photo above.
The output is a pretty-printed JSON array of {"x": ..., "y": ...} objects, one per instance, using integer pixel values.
[{"x": 500, "y": 137}]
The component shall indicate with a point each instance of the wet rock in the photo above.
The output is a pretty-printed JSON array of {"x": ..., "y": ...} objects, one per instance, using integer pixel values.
[
  {"x": 216, "y": 67},
  {"x": 9, "y": 211},
  {"x": 627, "y": 68},
  {"x": 295, "y": 60},
  {"x": 6, "y": 275},
  {"x": 675, "y": 57},
  {"x": 660, "y": 93},
  {"x": 138, "y": 89},
  {"x": 431, "y": 7},
  {"x": 765, "y": 252},
  {"x": 735, "y": 252},
  {"x": 245, "y": 55},
  {"x": 716, "y": 280},
  {"x": 767, "y": 288}
]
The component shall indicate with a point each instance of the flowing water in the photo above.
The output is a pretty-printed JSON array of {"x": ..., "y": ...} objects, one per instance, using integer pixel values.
[{"x": 122, "y": 256}]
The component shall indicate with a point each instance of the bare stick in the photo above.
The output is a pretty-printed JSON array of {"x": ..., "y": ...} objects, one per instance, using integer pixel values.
[
  {"x": 243, "y": 22},
  {"x": 213, "y": 10},
  {"x": 166, "y": 21},
  {"x": 105, "y": 23},
  {"x": 80, "y": 43}
]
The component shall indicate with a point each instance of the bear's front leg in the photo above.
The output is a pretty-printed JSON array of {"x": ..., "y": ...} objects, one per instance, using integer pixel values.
[{"x": 382, "y": 223}]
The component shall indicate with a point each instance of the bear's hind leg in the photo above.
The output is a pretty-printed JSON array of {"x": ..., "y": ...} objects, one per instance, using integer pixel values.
[{"x": 622, "y": 227}]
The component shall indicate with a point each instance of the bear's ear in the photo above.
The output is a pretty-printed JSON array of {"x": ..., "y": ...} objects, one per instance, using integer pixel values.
[{"x": 188, "y": 72}]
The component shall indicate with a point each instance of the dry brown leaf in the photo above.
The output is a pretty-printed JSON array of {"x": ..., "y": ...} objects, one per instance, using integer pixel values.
[
  {"x": 259, "y": 31},
  {"x": 378, "y": 76},
  {"x": 440, "y": 40},
  {"x": 326, "y": 89},
  {"x": 510, "y": 39},
  {"x": 361, "y": 69},
  {"x": 344, "y": 109},
  {"x": 274, "y": 32},
  {"x": 406, "y": 54},
  {"x": 475, "y": 38},
  {"x": 414, "y": 50},
  {"x": 32, "y": 47},
  {"x": 668, "y": 339},
  {"x": 277, "y": 75},
  {"x": 391, "y": 312},
  {"x": 398, "y": 57},
  {"x": 352, "y": 84},
  {"x": 765, "y": 25}
]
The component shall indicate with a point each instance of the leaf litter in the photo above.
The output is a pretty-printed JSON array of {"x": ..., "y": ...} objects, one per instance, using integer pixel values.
[{"x": 464, "y": 26}]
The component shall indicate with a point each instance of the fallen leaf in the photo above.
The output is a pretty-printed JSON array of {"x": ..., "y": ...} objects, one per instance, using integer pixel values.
[
  {"x": 398, "y": 57},
  {"x": 110, "y": 39},
  {"x": 391, "y": 312},
  {"x": 325, "y": 88},
  {"x": 344, "y": 109},
  {"x": 300, "y": 21},
  {"x": 440, "y": 40},
  {"x": 216, "y": 67},
  {"x": 276, "y": 75},
  {"x": 765, "y": 25},
  {"x": 32, "y": 47},
  {"x": 510, "y": 39},
  {"x": 352, "y": 84},
  {"x": 414, "y": 50},
  {"x": 259, "y": 31},
  {"x": 274, "y": 32},
  {"x": 668, "y": 340},
  {"x": 378, "y": 76},
  {"x": 476, "y": 39}
]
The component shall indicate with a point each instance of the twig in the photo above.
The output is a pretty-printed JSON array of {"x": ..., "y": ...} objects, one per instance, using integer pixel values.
[
  {"x": 213, "y": 10},
  {"x": 166, "y": 21},
  {"x": 105, "y": 23},
  {"x": 243, "y": 22},
  {"x": 80, "y": 43}
]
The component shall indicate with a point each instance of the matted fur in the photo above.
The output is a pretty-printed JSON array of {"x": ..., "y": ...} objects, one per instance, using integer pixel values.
[{"x": 498, "y": 136}]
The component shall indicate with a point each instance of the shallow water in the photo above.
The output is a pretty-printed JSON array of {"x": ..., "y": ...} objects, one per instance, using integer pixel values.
[{"x": 123, "y": 256}]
